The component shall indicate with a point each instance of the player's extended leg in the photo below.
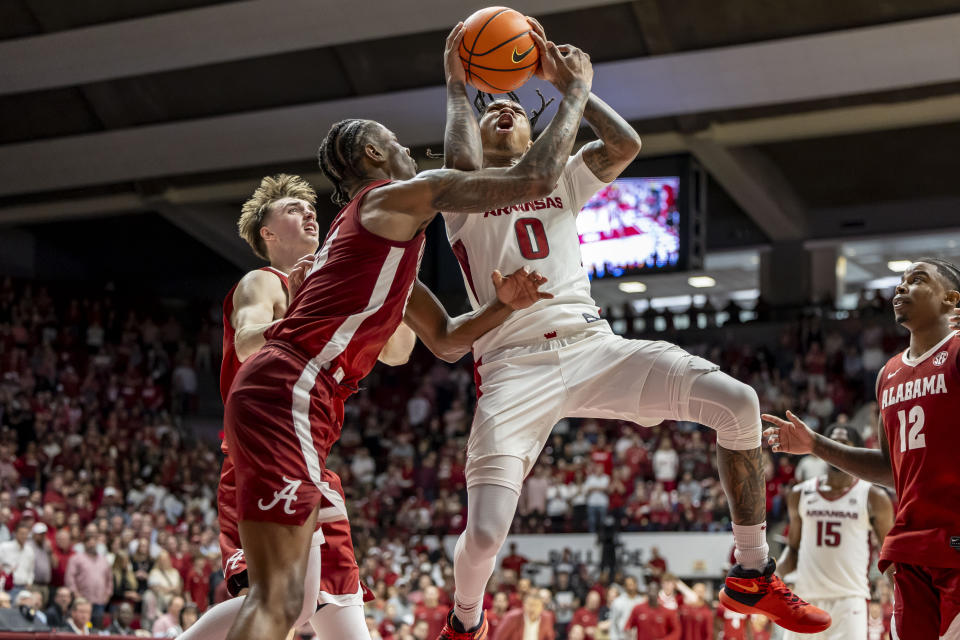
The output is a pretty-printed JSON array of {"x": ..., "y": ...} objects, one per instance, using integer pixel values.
[
  {"x": 332, "y": 622},
  {"x": 279, "y": 561},
  {"x": 216, "y": 621},
  {"x": 490, "y": 511},
  {"x": 669, "y": 383}
]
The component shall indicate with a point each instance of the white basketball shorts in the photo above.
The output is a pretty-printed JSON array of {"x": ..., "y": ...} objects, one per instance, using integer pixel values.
[{"x": 524, "y": 391}]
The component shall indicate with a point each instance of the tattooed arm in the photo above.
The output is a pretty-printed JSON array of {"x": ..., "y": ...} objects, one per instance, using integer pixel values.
[
  {"x": 617, "y": 144},
  {"x": 462, "y": 148}
]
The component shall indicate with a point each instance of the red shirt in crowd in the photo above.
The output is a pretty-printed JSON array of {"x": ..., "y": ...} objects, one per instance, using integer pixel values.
[
  {"x": 436, "y": 617},
  {"x": 734, "y": 624},
  {"x": 197, "y": 584},
  {"x": 654, "y": 623},
  {"x": 604, "y": 457},
  {"x": 586, "y": 618},
  {"x": 514, "y": 562},
  {"x": 58, "y": 573},
  {"x": 697, "y": 622}
]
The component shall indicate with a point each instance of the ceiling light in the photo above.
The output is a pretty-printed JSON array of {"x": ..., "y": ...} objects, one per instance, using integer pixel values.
[
  {"x": 898, "y": 266},
  {"x": 632, "y": 287},
  {"x": 701, "y": 282}
]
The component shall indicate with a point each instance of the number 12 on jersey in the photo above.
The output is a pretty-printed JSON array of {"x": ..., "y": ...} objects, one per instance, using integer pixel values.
[
  {"x": 916, "y": 438},
  {"x": 532, "y": 238}
]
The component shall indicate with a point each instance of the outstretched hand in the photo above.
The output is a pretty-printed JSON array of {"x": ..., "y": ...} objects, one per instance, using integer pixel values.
[
  {"x": 788, "y": 436},
  {"x": 299, "y": 273},
  {"x": 520, "y": 289},
  {"x": 452, "y": 64},
  {"x": 560, "y": 65}
]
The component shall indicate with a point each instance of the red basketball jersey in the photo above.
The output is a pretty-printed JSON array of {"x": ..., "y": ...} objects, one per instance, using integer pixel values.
[
  {"x": 231, "y": 364},
  {"x": 354, "y": 297},
  {"x": 919, "y": 401}
]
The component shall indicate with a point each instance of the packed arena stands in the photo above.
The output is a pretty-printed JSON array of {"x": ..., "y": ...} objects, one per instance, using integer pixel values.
[{"x": 107, "y": 488}]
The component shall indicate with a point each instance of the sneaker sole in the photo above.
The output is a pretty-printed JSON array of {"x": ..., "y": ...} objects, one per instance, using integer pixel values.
[{"x": 739, "y": 607}]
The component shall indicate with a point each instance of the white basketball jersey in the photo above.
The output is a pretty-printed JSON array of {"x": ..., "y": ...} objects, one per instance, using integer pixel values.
[
  {"x": 834, "y": 555},
  {"x": 541, "y": 235}
]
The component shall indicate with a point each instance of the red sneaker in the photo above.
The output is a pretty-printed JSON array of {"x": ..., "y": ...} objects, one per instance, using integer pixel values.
[
  {"x": 751, "y": 592},
  {"x": 450, "y": 632}
]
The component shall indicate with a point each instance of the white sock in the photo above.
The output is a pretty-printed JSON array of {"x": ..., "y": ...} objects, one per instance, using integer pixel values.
[{"x": 751, "y": 545}]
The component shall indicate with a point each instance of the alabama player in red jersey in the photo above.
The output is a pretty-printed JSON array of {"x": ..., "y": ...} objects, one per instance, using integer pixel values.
[
  {"x": 559, "y": 358},
  {"x": 919, "y": 399},
  {"x": 285, "y": 408},
  {"x": 279, "y": 223},
  {"x": 831, "y": 518}
]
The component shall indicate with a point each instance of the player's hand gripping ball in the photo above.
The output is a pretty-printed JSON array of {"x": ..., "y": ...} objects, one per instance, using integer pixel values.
[{"x": 497, "y": 51}]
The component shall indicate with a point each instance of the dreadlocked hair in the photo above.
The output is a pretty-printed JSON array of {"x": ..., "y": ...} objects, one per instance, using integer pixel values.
[
  {"x": 480, "y": 101},
  {"x": 339, "y": 154},
  {"x": 254, "y": 210},
  {"x": 947, "y": 269}
]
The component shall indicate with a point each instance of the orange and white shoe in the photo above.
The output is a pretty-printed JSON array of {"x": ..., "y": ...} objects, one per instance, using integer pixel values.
[
  {"x": 450, "y": 631},
  {"x": 750, "y": 592}
]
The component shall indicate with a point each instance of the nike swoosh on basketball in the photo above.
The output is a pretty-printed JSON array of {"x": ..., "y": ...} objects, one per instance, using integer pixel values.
[
  {"x": 890, "y": 375},
  {"x": 749, "y": 587},
  {"x": 518, "y": 57}
]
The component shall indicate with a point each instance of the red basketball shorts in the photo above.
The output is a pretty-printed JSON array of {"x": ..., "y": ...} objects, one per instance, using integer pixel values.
[
  {"x": 281, "y": 417},
  {"x": 278, "y": 429},
  {"x": 339, "y": 574},
  {"x": 926, "y": 603}
]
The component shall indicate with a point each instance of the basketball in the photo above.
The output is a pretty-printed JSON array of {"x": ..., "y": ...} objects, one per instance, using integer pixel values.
[{"x": 497, "y": 51}]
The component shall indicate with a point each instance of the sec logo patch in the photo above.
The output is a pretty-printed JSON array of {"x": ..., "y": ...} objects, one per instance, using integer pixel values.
[{"x": 940, "y": 358}]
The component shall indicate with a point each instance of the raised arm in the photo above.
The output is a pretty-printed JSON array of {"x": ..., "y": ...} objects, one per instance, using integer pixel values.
[
  {"x": 255, "y": 301},
  {"x": 535, "y": 176},
  {"x": 788, "y": 561},
  {"x": 462, "y": 148},
  {"x": 793, "y": 436},
  {"x": 452, "y": 338},
  {"x": 617, "y": 142}
]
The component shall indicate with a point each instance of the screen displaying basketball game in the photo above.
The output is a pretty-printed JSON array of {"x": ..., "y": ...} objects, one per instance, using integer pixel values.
[{"x": 631, "y": 226}]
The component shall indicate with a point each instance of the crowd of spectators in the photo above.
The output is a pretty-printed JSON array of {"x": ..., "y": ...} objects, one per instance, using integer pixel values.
[{"x": 107, "y": 503}]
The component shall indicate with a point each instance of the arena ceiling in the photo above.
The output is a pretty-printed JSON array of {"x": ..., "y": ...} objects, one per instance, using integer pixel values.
[{"x": 815, "y": 118}]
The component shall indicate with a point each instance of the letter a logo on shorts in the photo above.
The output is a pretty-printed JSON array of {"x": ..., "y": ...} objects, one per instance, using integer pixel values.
[
  {"x": 289, "y": 494},
  {"x": 233, "y": 562}
]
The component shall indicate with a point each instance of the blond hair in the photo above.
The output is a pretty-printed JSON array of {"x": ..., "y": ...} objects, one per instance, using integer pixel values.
[{"x": 255, "y": 209}]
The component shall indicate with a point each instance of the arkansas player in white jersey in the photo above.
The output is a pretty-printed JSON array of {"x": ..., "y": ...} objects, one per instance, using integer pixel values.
[
  {"x": 831, "y": 518},
  {"x": 560, "y": 358},
  {"x": 918, "y": 401}
]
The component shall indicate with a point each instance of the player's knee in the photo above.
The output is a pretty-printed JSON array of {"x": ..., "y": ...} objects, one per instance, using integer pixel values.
[
  {"x": 728, "y": 406},
  {"x": 282, "y": 596},
  {"x": 486, "y": 537},
  {"x": 743, "y": 401},
  {"x": 743, "y": 431}
]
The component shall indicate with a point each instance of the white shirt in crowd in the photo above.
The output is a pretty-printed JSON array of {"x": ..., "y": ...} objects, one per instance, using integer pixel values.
[
  {"x": 619, "y": 613},
  {"x": 19, "y": 558},
  {"x": 595, "y": 486},
  {"x": 666, "y": 463}
]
